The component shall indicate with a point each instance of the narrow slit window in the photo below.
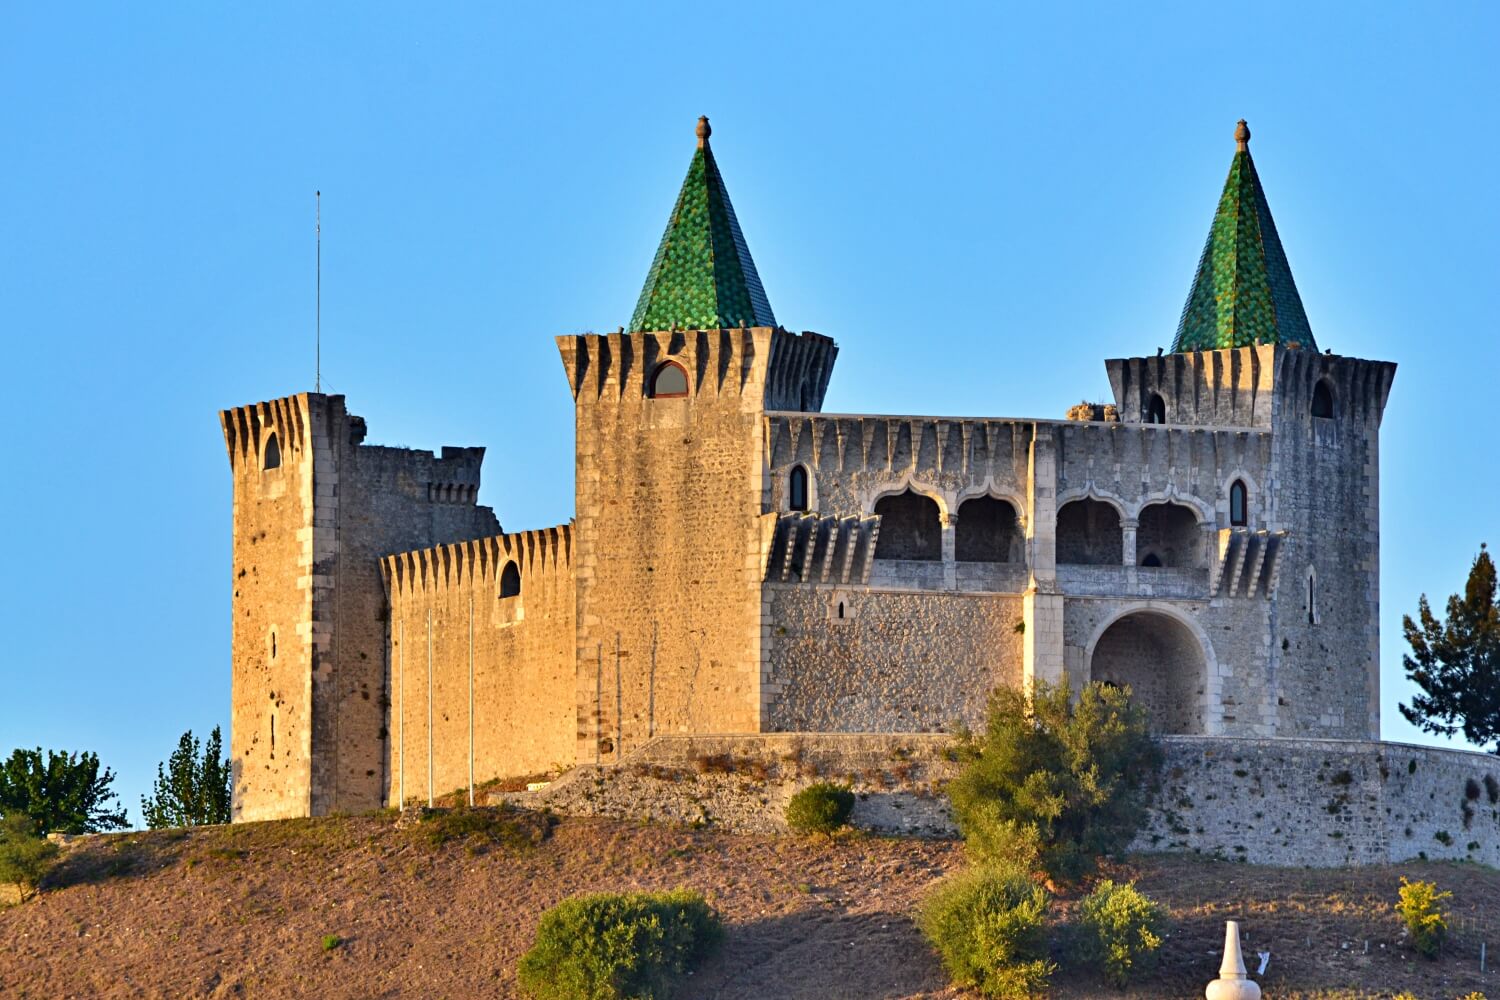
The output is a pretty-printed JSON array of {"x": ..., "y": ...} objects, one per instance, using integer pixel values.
[
  {"x": 1312, "y": 599},
  {"x": 797, "y": 488},
  {"x": 273, "y": 734},
  {"x": 1239, "y": 505},
  {"x": 669, "y": 382},
  {"x": 841, "y": 609},
  {"x": 272, "y": 458}
]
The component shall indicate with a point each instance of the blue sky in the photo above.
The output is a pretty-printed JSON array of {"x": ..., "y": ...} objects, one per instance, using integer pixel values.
[{"x": 980, "y": 203}]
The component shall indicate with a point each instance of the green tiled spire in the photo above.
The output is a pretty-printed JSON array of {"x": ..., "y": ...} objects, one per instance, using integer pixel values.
[
  {"x": 1243, "y": 293},
  {"x": 702, "y": 277}
]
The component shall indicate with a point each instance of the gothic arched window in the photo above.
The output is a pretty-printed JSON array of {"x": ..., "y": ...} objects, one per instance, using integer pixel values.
[
  {"x": 1156, "y": 409},
  {"x": 272, "y": 458},
  {"x": 1239, "y": 504},
  {"x": 510, "y": 580},
  {"x": 1322, "y": 401},
  {"x": 669, "y": 381},
  {"x": 796, "y": 490}
]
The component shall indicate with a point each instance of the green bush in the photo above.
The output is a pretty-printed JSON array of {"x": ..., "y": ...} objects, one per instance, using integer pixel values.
[
  {"x": 614, "y": 946},
  {"x": 1120, "y": 931},
  {"x": 988, "y": 926},
  {"x": 25, "y": 855},
  {"x": 820, "y": 808},
  {"x": 1053, "y": 784},
  {"x": 1421, "y": 910}
]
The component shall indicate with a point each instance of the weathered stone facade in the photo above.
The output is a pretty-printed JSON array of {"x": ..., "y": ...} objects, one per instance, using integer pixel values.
[{"x": 741, "y": 562}]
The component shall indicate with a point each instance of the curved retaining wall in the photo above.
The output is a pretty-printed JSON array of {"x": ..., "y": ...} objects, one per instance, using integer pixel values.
[{"x": 1320, "y": 803}]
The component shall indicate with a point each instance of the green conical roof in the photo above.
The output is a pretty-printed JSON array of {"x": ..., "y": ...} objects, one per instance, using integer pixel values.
[
  {"x": 702, "y": 277},
  {"x": 1243, "y": 293}
]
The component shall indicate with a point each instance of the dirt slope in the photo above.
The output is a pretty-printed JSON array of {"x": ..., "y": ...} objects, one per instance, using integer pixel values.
[{"x": 242, "y": 911}]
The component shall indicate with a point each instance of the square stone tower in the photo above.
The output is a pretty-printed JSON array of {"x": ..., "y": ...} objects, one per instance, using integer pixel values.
[{"x": 314, "y": 510}]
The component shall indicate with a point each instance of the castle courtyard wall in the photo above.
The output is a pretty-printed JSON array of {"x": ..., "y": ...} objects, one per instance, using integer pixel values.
[
  {"x": 498, "y": 687},
  {"x": 898, "y": 661}
]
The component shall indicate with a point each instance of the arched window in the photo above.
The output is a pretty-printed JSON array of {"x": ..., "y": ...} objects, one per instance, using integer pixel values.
[
  {"x": 796, "y": 488},
  {"x": 1322, "y": 401},
  {"x": 510, "y": 580},
  {"x": 1089, "y": 534},
  {"x": 670, "y": 381},
  {"x": 1156, "y": 409},
  {"x": 1170, "y": 534},
  {"x": 1239, "y": 504},
  {"x": 987, "y": 532},
  {"x": 909, "y": 528},
  {"x": 272, "y": 458}
]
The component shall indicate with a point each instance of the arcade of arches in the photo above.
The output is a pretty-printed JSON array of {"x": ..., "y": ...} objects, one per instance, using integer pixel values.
[{"x": 1162, "y": 661}]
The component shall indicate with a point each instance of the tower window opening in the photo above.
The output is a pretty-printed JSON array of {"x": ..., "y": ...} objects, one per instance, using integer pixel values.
[
  {"x": 273, "y": 644},
  {"x": 510, "y": 581},
  {"x": 797, "y": 488},
  {"x": 273, "y": 734},
  {"x": 1322, "y": 401},
  {"x": 1312, "y": 598},
  {"x": 1156, "y": 409},
  {"x": 1239, "y": 504},
  {"x": 272, "y": 459},
  {"x": 841, "y": 609},
  {"x": 669, "y": 382}
]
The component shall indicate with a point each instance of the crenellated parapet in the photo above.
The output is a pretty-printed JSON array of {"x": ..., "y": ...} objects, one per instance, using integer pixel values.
[
  {"x": 767, "y": 366},
  {"x": 480, "y": 561},
  {"x": 246, "y": 428},
  {"x": 1358, "y": 389},
  {"x": 1226, "y": 388}
]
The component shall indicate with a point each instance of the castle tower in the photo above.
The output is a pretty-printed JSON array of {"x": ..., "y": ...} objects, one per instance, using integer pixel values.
[
  {"x": 1244, "y": 358},
  {"x": 669, "y": 479},
  {"x": 314, "y": 510}
]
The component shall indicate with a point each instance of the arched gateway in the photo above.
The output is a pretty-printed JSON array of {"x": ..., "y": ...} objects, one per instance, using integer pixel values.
[{"x": 1164, "y": 663}]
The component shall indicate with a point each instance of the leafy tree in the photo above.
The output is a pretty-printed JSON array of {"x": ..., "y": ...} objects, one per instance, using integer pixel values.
[
  {"x": 193, "y": 790},
  {"x": 63, "y": 793},
  {"x": 1456, "y": 662},
  {"x": 25, "y": 855},
  {"x": 1053, "y": 784}
]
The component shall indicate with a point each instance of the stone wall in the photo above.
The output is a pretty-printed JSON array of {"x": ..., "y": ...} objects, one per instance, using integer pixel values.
[
  {"x": 896, "y": 661},
  {"x": 308, "y": 537},
  {"x": 1318, "y": 803},
  {"x": 672, "y": 544},
  {"x": 498, "y": 686}
]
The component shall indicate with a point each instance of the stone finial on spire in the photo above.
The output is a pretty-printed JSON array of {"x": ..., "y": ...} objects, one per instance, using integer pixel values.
[
  {"x": 704, "y": 130},
  {"x": 1241, "y": 136}
]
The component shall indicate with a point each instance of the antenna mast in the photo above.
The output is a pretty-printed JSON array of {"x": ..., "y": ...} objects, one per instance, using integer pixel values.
[{"x": 318, "y": 310}]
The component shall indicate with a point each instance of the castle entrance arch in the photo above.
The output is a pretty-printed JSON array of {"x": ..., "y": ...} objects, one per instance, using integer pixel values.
[{"x": 1163, "y": 661}]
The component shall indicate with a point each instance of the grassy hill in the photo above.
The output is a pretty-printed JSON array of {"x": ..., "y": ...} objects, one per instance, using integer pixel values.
[{"x": 432, "y": 910}]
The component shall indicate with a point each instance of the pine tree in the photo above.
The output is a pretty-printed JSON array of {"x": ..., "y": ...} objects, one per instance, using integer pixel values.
[
  {"x": 193, "y": 787},
  {"x": 1456, "y": 662}
]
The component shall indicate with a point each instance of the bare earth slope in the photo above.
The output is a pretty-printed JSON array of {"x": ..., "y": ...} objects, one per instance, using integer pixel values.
[{"x": 242, "y": 911}]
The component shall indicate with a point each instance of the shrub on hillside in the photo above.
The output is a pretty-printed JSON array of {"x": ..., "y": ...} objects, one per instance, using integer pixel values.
[
  {"x": 1053, "y": 784},
  {"x": 820, "y": 808},
  {"x": 504, "y": 826},
  {"x": 25, "y": 855},
  {"x": 988, "y": 926},
  {"x": 1119, "y": 931},
  {"x": 1421, "y": 910},
  {"x": 614, "y": 946}
]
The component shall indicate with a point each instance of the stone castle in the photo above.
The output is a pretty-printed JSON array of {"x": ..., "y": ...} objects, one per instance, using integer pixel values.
[{"x": 740, "y": 562}]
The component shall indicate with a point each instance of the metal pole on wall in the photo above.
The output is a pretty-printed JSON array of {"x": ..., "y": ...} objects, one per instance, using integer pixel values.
[
  {"x": 429, "y": 709},
  {"x": 471, "y": 701},
  {"x": 401, "y": 716}
]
